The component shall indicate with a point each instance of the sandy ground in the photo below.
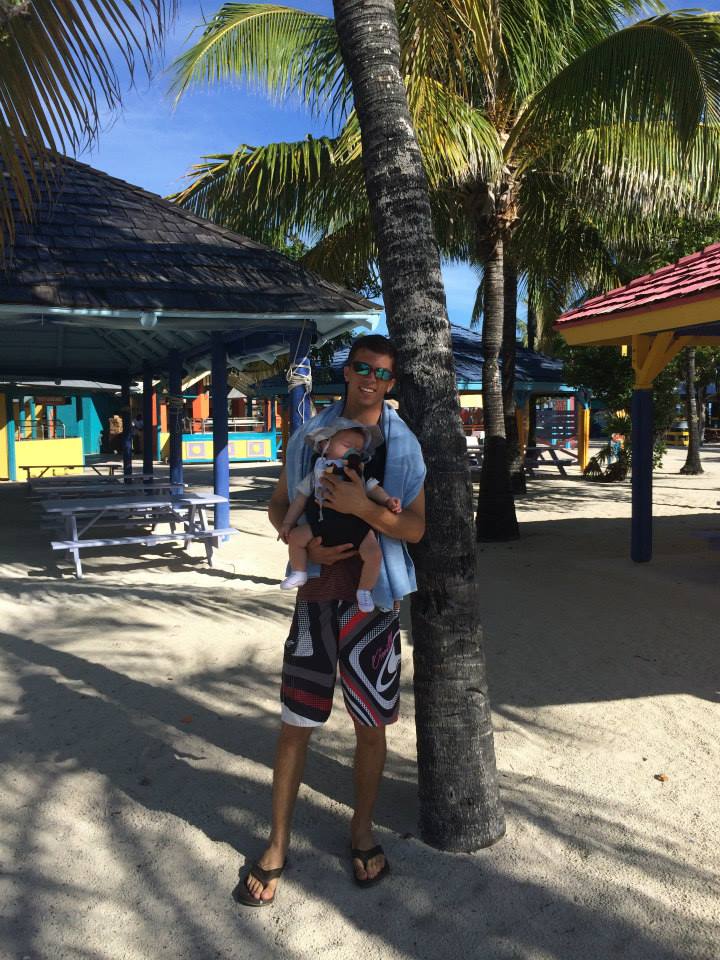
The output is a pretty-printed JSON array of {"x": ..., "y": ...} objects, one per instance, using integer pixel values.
[{"x": 138, "y": 713}]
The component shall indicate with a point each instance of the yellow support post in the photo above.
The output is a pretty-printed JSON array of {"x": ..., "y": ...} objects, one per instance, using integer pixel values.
[{"x": 583, "y": 434}]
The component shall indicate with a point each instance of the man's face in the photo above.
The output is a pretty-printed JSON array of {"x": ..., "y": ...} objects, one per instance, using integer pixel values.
[{"x": 368, "y": 391}]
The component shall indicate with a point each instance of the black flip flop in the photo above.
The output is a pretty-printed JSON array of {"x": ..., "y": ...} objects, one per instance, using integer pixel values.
[
  {"x": 242, "y": 895},
  {"x": 364, "y": 856}
]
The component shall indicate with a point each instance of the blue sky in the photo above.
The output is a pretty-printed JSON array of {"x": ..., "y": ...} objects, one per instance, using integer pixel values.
[{"x": 152, "y": 142}]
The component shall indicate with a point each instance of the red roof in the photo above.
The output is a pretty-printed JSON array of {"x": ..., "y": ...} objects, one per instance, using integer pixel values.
[{"x": 694, "y": 276}]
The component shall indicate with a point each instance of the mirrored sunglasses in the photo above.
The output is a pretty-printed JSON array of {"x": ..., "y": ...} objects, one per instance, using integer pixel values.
[{"x": 364, "y": 369}]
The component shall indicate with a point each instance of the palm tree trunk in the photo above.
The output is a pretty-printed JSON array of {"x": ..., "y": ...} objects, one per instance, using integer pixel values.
[
  {"x": 496, "y": 518},
  {"x": 509, "y": 351},
  {"x": 532, "y": 400},
  {"x": 692, "y": 463},
  {"x": 460, "y": 806}
]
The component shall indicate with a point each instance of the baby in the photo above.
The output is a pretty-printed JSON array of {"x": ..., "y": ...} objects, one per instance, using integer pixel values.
[{"x": 344, "y": 443}]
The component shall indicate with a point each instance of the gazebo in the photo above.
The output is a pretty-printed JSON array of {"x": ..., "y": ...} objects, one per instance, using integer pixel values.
[
  {"x": 112, "y": 283},
  {"x": 654, "y": 316}
]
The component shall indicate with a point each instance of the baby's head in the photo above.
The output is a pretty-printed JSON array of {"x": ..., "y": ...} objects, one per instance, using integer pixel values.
[{"x": 343, "y": 441}]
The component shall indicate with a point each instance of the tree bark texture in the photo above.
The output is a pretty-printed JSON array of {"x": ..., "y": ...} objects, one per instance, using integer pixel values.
[
  {"x": 460, "y": 806},
  {"x": 509, "y": 353},
  {"x": 692, "y": 463},
  {"x": 496, "y": 518}
]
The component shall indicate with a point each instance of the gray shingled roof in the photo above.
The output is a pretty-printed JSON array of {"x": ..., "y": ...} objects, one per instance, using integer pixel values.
[{"x": 101, "y": 251}]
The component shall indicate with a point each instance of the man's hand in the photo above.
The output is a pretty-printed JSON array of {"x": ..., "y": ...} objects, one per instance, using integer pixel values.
[
  {"x": 326, "y": 556},
  {"x": 346, "y": 497}
]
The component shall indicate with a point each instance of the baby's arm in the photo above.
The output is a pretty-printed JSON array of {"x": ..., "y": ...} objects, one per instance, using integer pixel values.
[
  {"x": 295, "y": 511},
  {"x": 382, "y": 497}
]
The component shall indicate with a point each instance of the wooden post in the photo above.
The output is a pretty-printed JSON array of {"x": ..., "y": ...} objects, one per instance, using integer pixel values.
[
  {"x": 127, "y": 425},
  {"x": 642, "y": 454},
  {"x": 147, "y": 409},
  {"x": 175, "y": 417},
  {"x": 221, "y": 458}
]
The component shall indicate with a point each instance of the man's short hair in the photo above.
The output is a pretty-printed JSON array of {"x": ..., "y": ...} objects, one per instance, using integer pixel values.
[{"x": 376, "y": 343}]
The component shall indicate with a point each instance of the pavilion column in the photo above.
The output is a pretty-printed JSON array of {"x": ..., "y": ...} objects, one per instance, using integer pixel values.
[
  {"x": 157, "y": 423},
  {"x": 582, "y": 401},
  {"x": 175, "y": 417},
  {"x": 300, "y": 382},
  {"x": 127, "y": 425},
  {"x": 642, "y": 457},
  {"x": 221, "y": 457},
  {"x": 147, "y": 409}
]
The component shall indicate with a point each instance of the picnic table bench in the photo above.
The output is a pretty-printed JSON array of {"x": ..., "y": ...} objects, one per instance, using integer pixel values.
[
  {"x": 547, "y": 455},
  {"x": 135, "y": 510},
  {"x": 66, "y": 491},
  {"x": 110, "y": 466}
]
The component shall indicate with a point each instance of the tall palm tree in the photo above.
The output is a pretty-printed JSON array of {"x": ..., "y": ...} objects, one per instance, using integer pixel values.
[
  {"x": 692, "y": 463},
  {"x": 459, "y": 801},
  {"x": 56, "y": 72},
  {"x": 531, "y": 107}
]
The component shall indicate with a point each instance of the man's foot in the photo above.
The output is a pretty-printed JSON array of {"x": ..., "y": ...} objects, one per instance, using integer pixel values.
[
  {"x": 271, "y": 860},
  {"x": 363, "y": 840}
]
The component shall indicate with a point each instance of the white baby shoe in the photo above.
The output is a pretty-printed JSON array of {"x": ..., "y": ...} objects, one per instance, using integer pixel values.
[
  {"x": 365, "y": 601},
  {"x": 297, "y": 578}
]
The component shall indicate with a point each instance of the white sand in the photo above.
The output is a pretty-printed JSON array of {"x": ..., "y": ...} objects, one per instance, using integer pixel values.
[{"x": 138, "y": 711}]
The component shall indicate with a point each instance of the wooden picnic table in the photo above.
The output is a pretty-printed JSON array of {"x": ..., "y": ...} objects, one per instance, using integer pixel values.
[
  {"x": 110, "y": 466},
  {"x": 136, "y": 509},
  {"x": 547, "y": 455}
]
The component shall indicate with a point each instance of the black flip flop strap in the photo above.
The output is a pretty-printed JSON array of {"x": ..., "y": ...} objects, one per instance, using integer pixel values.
[
  {"x": 365, "y": 855},
  {"x": 265, "y": 876}
]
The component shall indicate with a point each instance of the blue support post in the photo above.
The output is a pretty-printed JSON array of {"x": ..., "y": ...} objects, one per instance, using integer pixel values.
[
  {"x": 127, "y": 426},
  {"x": 221, "y": 453},
  {"x": 642, "y": 455},
  {"x": 298, "y": 394},
  {"x": 147, "y": 411},
  {"x": 175, "y": 417},
  {"x": 12, "y": 459},
  {"x": 158, "y": 424},
  {"x": 33, "y": 418}
]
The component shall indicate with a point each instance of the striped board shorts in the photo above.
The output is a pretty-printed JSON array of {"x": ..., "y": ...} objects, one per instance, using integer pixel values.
[{"x": 367, "y": 647}]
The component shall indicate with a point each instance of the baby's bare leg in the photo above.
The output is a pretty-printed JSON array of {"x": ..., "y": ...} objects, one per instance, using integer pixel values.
[
  {"x": 371, "y": 556},
  {"x": 298, "y": 539}
]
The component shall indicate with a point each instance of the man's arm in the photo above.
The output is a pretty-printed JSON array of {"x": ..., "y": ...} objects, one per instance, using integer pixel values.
[
  {"x": 352, "y": 498},
  {"x": 277, "y": 509}
]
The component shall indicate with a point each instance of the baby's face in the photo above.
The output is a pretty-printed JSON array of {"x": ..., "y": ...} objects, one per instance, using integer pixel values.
[{"x": 343, "y": 441}]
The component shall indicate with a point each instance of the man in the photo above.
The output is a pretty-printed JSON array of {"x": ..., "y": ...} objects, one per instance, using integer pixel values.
[{"x": 328, "y": 628}]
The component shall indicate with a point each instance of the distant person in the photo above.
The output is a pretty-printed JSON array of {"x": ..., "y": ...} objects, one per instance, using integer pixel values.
[
  {"x": 138, "y": 428},
  {"x": 115, "y": 433}
]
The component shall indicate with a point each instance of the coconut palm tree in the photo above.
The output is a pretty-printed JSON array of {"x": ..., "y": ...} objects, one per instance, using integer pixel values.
[
  {"x": 459, "y": 800},
  {"x": 56, "y": 74},
  {"x": 533, "y": 105}
]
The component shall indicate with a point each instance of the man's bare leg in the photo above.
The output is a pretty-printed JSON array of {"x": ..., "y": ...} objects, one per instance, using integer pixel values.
[
  {"x": 287, "y": 776},
  {"x": 370, "y": 753}
]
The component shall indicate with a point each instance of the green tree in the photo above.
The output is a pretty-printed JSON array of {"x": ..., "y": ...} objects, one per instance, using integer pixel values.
[
  {"x": 459, "y": 800},
  {"x": 56, "y": 71},
  {"x": 542, "y": 115}
]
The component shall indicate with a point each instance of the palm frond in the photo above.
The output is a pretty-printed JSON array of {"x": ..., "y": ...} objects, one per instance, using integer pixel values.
[
  {"x": 663, "y": 69},
  {"x": 56, "y": 69},
  {"x": 457, "y": 141},
  {"x": 281, "y": 50}
]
